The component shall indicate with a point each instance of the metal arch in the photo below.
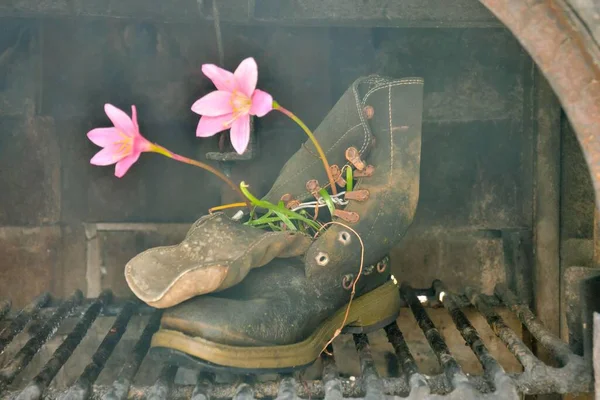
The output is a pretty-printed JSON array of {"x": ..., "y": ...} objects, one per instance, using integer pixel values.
[{"x": 568, "y": 56}]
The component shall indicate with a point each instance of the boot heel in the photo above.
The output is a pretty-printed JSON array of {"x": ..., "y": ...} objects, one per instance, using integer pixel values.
[{"x": 374, "y": 310}]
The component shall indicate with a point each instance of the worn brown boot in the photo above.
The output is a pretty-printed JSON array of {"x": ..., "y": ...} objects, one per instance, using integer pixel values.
[
  {"x": 218, "y": 253},
  {"x": 274, "y": 320},
  {"x": 283, "y": 314}
]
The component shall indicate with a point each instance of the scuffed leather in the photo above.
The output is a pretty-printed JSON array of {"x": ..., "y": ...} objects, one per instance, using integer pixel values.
[
  {"x": 343, "y": 127},
  {"x": 393, "y": 187},
  {"x": 216, "y": 254}
]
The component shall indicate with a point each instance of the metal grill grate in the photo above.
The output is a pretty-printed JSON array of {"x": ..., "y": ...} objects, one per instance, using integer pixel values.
[{"x": 574, "y": 375}]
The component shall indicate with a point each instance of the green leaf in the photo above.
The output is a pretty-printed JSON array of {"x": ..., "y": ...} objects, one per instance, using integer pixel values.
[
  {"x": 279, "y": 211},
  {"x": 286, "y": 221},
  {"x": 261, "y": 220},
  {"x": 274, "y": 227},
  {"x": 328, "y": 201},
  {"x": 349, "y": 179}
]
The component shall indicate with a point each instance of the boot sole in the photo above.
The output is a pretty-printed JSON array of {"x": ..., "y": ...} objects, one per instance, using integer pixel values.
[
  {"x": 368, "y": 312},
  {"x": 166, "y": 356}
]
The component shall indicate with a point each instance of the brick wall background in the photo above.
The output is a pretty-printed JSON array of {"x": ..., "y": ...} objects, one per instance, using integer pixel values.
[{"x": 56, "y": 74}]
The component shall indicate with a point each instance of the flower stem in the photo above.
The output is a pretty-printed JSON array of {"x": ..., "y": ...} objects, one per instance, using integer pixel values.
[
  {"x": 226, "y": 207},
  {"x": 167, "y": 153},
  {"x": 293, "y": 117}
]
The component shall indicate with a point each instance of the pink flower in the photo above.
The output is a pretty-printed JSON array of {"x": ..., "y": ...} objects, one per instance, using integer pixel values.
[
  {"x": 122, "y": 144},
  {"x": 231, "y": 105}
]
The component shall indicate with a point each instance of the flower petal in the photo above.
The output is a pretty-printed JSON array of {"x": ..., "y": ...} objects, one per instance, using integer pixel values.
[
  {"x": 246, "y": 76},
  {"x": 240, "y": 133},
  {"x": 107, "y": 156},
  {"x": 209, "y": 126},
  {"x": 262, "y": 103},
  {"x": 104, "y": 136},
  {"x": 123, "y": 165},
  {"x": 141, "y": 144},
  {"x": 222, "y": 79},
  {"x": 134, "y": 118},
  {"x": 214, "y": 104},
  {"x": 120, "y": 120}
]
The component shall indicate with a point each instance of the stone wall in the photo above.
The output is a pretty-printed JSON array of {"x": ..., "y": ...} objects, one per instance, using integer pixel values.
[{"x": 56, "y": 74}]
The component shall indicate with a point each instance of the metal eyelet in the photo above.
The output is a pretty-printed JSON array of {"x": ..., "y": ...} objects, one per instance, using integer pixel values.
[
  {"x": 322, "y": 259},
  {"x": 381, "y": 266},
  {"x": 369, "y": 270},
  {"x": 347, "y": 281},
  {"x": 344, "y": 238}
]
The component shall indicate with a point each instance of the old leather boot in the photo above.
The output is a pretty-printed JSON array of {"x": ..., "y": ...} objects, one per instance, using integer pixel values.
[
  {"x": 276, "y": 319},
  {"x": 217, "y": 252},
  {"x": 283, "y": 314}
]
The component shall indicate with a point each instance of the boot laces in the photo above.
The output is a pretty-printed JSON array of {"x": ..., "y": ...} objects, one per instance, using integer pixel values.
[{"x": 337, "y": 199}]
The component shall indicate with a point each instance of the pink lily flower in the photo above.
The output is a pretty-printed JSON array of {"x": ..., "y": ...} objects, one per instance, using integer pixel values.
[
  {"x": 232, "y": 104},
  {"x": 122, "y": 143}
]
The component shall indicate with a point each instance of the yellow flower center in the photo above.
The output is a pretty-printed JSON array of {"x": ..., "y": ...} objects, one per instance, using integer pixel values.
[
  {"x": 125, "y": 148},
  {"x": 240, "y": 103}
]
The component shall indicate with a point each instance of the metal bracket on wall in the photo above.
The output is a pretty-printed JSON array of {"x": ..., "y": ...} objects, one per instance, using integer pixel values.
[{"x": 227, "y": 159}]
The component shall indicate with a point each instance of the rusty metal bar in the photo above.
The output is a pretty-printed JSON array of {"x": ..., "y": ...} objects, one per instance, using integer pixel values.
[
  {"x": 551, "y": 342},
  {"x": 245, "y": 392},
  {"x": 203, "y": 387},
  {"x": 371, "y": 382},
  {"x": 447, "y": 361},
  {"x": 36, "y": 387},
  {"x": 469, "y": 333},
  {"x": 410, "y": 370},
  {"x": 82, "y": 388},
  {"x": 33, "y": 345},
  {"x": 163, "y": 385},
  {"x": 22, "y": 318},
  {"x": 539, "y": 378},
  {"x": 492, "y": 369},
  {"x": 512, "y": 341},
  {"x": 406, "y": 359},
  {"x": 121, "y": 386},
  {"x": 331, "y": 379},
  {"x": 110, "y": 310},
  {"x": 547, "y": 274},
  {"x": 287, "y": 389}
]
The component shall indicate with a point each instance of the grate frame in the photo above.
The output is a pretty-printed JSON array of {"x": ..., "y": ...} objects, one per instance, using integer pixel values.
[{"x": 575, "y": 375}]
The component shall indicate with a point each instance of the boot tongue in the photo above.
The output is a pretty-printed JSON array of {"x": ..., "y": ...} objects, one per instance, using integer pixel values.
[{"x": 343, "y": 127}]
